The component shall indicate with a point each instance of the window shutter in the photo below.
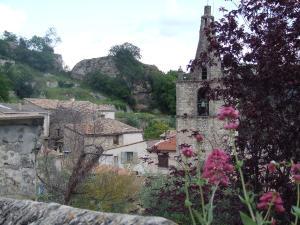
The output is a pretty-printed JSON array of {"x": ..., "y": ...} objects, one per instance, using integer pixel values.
[
  {"x": 135, "y": 158},
  {"x": 123, "y": 157}
]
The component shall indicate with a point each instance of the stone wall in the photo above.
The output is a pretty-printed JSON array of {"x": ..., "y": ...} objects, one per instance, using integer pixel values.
[
  {"x": 17, "y": 142},
  {"x": 20, "y": 212}
]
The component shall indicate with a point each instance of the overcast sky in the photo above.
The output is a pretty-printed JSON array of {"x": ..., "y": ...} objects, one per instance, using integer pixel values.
[{"x": 166, "y": 31}]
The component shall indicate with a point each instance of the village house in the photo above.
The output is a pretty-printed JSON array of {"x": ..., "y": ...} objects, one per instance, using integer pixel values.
[
  {"x": 154, "y": 156},
  {"x": 121, "y": 142},
  {"x": 64, "y": 112}
]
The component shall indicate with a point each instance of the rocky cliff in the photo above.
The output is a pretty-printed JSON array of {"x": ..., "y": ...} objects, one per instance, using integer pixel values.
[
  {"x": 141, "y": 87},
  {"x": 21, "y": 212},
  {"x": 105, "y": 65}
]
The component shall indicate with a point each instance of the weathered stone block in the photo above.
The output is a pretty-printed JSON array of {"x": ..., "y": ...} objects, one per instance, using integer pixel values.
[{"x": 19, "y": 212}]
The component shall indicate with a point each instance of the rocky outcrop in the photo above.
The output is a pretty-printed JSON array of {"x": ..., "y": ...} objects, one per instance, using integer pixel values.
[
  {"x": 58, "y": 63},
  {"x": 105, "y": 65},
  {"x": 20, "y": 212}
]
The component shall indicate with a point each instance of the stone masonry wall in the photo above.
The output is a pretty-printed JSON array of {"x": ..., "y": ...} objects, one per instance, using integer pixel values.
[
  {"x": 21, "y": 212},
  {"x": 17, "y": 173}
]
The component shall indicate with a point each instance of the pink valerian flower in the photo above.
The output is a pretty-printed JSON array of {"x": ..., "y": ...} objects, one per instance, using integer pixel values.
[
  {"x": 272, "y": 167},
  {"x": 296, "y": 172},
  {"x": 187, "y": 152},
  {"x": 217, "y": 167},
  {"x": 228, "y": 112},
  {"x": 273, "y": 198},
  {"x": 199, "y": 137},
  {"x": 273, "y": 221},
  {"x": 231, "y": 126}
]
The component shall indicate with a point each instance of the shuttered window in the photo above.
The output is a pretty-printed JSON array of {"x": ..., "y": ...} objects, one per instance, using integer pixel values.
[{"x": 163, "y": 160}]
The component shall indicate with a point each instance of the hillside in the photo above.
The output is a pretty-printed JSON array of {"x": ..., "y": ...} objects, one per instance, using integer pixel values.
[{"x": 30, "y": 68}]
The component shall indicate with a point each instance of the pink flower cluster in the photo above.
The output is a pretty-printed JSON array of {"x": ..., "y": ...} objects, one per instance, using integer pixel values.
[
  {"x": 199, "y": 137},
  {"x": 272, "y": 167},
  {"x": 231, "y": 114},
  {"x": 217, "y": 167},
  {"x": 296, "y": 172},
  {"x": 228, "y": 112},
  {"x": 187, "y": 151},
  {"x": 273, "y": 198}
]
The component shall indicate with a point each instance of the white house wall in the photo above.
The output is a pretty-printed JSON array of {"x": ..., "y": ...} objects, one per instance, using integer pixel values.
[
  {"x": 109, "y": 115},
  {"x": 141, "y": 167},
  {"x": 132, "y": 138}
]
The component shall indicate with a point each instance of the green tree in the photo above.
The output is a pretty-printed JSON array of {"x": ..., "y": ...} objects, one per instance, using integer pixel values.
[
  {"x": 155, "y": 128},
  {"x": 109, "y": 190},
  {"x": 21, "y": 79},
  {"x": 126, "y": 49},
  {"x": 164, "y": 92},
  {"x": 4, "y": 88}
]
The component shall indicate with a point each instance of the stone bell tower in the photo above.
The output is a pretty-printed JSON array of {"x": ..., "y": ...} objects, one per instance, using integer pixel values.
[{"x": 193, "y": 109}]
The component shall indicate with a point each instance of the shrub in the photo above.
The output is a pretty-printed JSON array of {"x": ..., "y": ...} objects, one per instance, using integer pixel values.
[{"x": 109, "y": 190}]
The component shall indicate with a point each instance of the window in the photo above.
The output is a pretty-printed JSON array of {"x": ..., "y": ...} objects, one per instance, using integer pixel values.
[
  {"x": 205, "y": 22},
  {"x": 129, "y": 156},
  {"x": 116, "y": 140},
  {"x": 163, "y": 160},
  {"x": 204, "y": 73},
  {"x": 202, "y": 103}
]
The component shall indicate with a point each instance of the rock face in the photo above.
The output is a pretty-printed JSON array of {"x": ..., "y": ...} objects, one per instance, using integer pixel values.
[
  {"x": 20, "y": 212},
  {"x": 105, "y": 65},
  {"x": 58, "y": 62}
]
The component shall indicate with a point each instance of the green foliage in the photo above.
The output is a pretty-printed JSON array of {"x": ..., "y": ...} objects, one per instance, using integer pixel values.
[
  {"x": 164, "y": 92},
  {"x": 125, "y": 49},
  {"x": 111, "y": 86},
  {"x": 156, "y": 205},
  {"x": 37, "y": 52},
  {"x": 145, "y": 120},
  {"x": 21, "y": 79},
  {"x": 67, "y": 93},
  {"x": 64, "y": 84},
  {"x": 154, "y": 129},
  {"x": 109, "y": 191},
  {"x": 4, "y": 88}
]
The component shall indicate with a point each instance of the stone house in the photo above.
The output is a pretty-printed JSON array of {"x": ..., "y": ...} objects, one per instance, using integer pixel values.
[
  {"x": 104, "y": 132},
  {"x": 155, "y": 156},
  {"x": 20, "y": 133},
  {"x": 194, "y": 112},
  {"x": 64, "y": 112}
]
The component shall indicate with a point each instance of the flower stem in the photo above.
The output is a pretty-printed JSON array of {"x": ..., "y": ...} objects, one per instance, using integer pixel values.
[
  {"x": 200, "y": 186},
  {"x": 187, "y": 194},
  {"x": 246, "y": 196},
  {"x": 298, "y": 201}
]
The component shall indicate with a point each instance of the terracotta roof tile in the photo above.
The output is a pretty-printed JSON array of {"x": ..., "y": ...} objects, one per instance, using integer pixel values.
[
  {"x": 166, "y": 145},
  {"x": 104, "y": 126},
  {"x": 79, "y": 105}
]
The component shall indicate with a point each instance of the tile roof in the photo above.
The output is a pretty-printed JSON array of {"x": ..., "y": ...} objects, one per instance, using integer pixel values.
[
  {"x": 13, "y": 116},
  {"x": 79, "y": 105},
  {"x": 168, "y": 145},
  {"x": 18, "y": 111},
  {"x": 103, "y": 126}
]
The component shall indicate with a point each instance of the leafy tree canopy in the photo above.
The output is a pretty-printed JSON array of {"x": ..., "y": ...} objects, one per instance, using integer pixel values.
[{"x": 125, "y": 49}]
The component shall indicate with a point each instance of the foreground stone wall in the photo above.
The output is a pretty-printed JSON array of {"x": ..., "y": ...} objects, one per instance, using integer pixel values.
[
  {"x": 17, "y": 142},
  {"x": 19, "y": 212}
]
